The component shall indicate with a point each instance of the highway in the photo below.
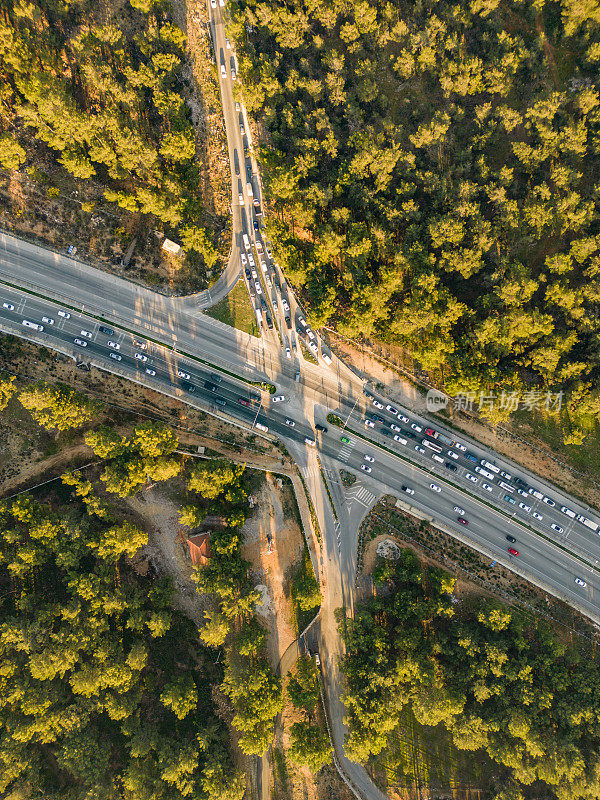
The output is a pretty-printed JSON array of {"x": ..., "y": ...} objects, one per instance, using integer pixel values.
[
  {"x": 168, "y": 344},
  {"x": 554, "y": 558}
]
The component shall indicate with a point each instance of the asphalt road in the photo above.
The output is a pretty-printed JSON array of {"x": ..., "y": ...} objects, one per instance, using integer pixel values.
[
  {"x": 177, "y": 335},
  {"x": 560, "y": 556}
]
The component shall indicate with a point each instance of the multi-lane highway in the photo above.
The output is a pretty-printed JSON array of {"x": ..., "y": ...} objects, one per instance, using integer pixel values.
[
  {"x": 397, "y": 450},
  {"x": 166, "y": 343}
]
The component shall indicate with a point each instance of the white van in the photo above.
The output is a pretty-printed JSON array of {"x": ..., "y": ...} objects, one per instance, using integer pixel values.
[
  {"x": 491, "y": 467},
  {"x": 261, "y": 427},
  {"x": 568, "y": 512},
  {"x": 246, "y": 241},
  {"x": 506, "y": 486},
  {"x": 33, "y": 325}
]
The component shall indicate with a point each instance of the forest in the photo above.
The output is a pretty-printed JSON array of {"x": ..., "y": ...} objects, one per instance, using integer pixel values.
[
  {"x": 101, "y": 90},
  {"x": 497, "y": 680},
  {"x": 107, "y": 690},
  {"x": 431, "y": 169}
]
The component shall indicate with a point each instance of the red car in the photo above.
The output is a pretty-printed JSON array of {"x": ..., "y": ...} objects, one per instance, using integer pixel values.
[
  {"x": 463, "y": 521},
  {"x": 429, "y": 431},
  {"x": 513, "y": 552},
  {"x": 243, "y": 401}
]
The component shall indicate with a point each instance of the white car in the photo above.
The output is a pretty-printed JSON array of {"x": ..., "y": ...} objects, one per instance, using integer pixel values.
[
  {"x": 150, "y": 371},
  {"x": 314, "y": 348},
  {"x": 377, "y": 404},
  {"x": 326, "y": 358},
  {"x": 525, "y": 507},
  {"x": 452, "y": 454},
  {"x": 369, "y": 458},
  {"x": 487, "y": 487},
  {"x": 285, "y": 304},
  {"x": 416, "y": 427},
  {"x": 311, "y": 336},
  {"x": 408, "y": 490},
  {"x": 579, "y": 582},
  {"x": 399, "y": 439},
  {"x": 369, "y": 423},
  {"x": 303, "y": 322},
  {"x": 114, "y": 345},
  {"x": 365, "y": 468},
  {"x": 402, "y": 418},
  {"x": 268, "y": 251},
  {"x": 268, "y": 282},
  {"x": 139, "y": 345},
  {"x": 213, "y": 3},
  {"x": 116, "y": 356},
  {"x": 227, "y": 43},
  {"x": 288, "y": 352},
  {"x": 237, "y": 106},
  {"x": 460, "y": 447},
  {"x": 64, "y": 314},
  {"x": 536, "y": 515},
  {"x": 263, "y": 266},
  {"x": 434, "y": 487},
  {"x": 391, "y": 409},
  {"x": 184, "y": 375},
  {"x": 290, "y": 422},
  {"x": 549, "y": 501},
  {"x": 80, "y": 342},
  {"x": 8, "y": 306},
  {"x": 556, "y": 528},
  {"x": 420, "y": 450},
  {"x": 254, "y": 274},
  {"x": 396, "y": 428},
  {"x": 258, "y": 287},
  {"x": 222, "y": 3},
  {"x": 471, "y": 477},
  {"x": 243, "y": 259},
  {"x": 251, "y": 260},
  {"x": 87, "y": 334},
  {"x": 460, "y": 511},
  {"x": 48, "y": 320},
  {"x": 141, "y": 357},
  {"x": 278, "y": 398}
]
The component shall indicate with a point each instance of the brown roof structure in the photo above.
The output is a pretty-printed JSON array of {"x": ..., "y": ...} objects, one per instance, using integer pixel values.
[{"x": 200, "y": 551}]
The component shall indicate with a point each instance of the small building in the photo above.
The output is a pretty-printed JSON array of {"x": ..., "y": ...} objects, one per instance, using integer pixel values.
[
  {"x": 199, "y": 545},
  {"x": 171, "y": 247}
]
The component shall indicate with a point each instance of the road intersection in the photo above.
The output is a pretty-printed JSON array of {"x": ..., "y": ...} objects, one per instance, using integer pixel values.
[{"x": 168, "y": 344}]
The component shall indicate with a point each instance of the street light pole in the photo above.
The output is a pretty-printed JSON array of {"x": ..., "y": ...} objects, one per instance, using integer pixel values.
[
  {"x": 257, "y": 413},
  {"x": 350, "y": 414}
]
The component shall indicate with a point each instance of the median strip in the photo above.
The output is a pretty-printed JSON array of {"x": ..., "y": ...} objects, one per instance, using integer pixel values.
[
  {"x": 480, "y": 500},
  {"x": 102, "y": 319}
]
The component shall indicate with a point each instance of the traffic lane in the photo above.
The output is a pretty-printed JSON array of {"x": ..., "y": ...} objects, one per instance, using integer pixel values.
[
  {"x": 585, "y": 541},
  {"x": 153, "y": 314},
  {"x": 503, "y": 463},
  {"x": 219, "y": 344},
  {"x": 537, "y": 555},
  {"x": 396, "y": 473},
  {"x": 552, "y": 516},
  {"x": 579, "y": 533}
]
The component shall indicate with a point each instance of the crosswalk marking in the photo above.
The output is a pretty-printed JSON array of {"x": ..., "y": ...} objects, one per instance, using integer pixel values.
[{"x": 346, "y": 450}]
